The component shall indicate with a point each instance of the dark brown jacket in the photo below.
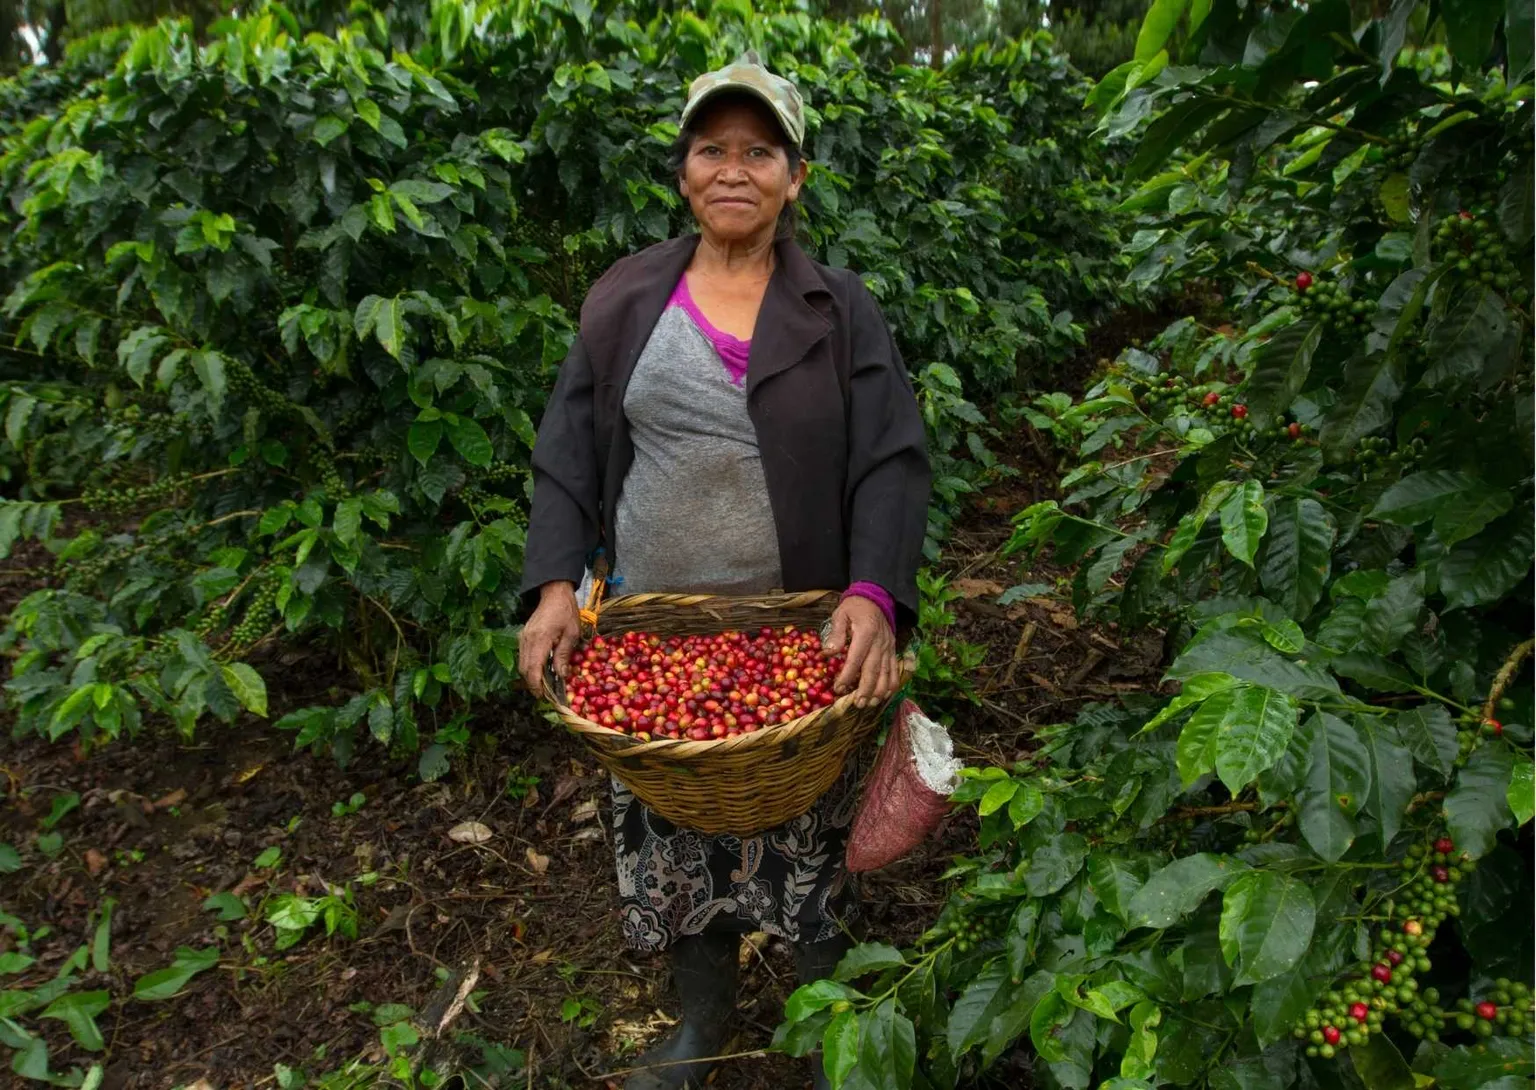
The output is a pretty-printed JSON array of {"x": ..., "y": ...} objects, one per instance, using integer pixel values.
[{"x": 838, "y": 428}]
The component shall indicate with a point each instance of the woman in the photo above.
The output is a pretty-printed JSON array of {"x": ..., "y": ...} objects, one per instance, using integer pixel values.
[{"x": 733, "y": 418}]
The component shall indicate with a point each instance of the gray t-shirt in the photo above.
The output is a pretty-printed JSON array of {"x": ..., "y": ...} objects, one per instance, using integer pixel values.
[{"x": 693, "y": 515}]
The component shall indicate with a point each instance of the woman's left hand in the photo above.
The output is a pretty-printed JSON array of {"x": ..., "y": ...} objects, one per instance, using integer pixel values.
[{"x": 872, "y": 665}]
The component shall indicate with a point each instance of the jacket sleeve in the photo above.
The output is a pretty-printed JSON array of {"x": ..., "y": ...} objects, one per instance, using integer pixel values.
[
  {"x": 563, "y": 523},
  {"x": 888, "y": 472}
]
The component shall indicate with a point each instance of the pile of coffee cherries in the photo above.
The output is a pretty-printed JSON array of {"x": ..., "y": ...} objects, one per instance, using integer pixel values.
[{"x": 701, "y": 687}]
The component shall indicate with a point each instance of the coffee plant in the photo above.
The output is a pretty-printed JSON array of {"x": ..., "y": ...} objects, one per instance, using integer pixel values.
[
  {"x": 1308, "y": 866},
  {"x": 282, "y": 308}
]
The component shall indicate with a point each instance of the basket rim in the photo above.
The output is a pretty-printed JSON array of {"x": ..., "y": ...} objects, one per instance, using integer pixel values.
[{"x": 683, "y": 748}]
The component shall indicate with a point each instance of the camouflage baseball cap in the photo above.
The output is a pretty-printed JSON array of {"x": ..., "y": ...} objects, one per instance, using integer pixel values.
[{"x": 747, "y": 74}]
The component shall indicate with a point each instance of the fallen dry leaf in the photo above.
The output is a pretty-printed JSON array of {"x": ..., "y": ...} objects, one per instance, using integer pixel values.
[
  {"x": 584, "y": 812},
  {"x": 469, "y": 832},
  {"x": 977, "y": 588},
  {"x": 175, "y": 798},
  {"x": 95, "y": 862},
  {"x": 565, "y": 787},
  {"x": 248, "y": 883},
  {"x": 539, "y": 863},
  {"x": 591, "y": 832}
]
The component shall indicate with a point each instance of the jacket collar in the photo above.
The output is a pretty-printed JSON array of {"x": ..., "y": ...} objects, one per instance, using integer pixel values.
[
  {"x": 622, "y": 308},
  {"x": 793, "y": 316}
]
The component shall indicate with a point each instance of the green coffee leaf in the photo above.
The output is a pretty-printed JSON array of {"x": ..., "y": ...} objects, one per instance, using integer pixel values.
[
  {"x": 1488, "y": 566},
  {"x": 470, "y": 440},
  {"x": 1477, "y": 806},
  {"x": 168, "y": 982},
  {"x": 101, "y": 938},
  {"x": 1521, "y": 803},
  {"x": 1179, "y": 888},
  {"x": 810, "y": 998},
  {"x": 227, "y": 905},
  {"x": 1298, "y": 554},
  {"x": 1244, "y": 521},
  {"x": 868, "y": 957},
  {"x": 1188, "y": 530},
  {"x": 78, "y": 1011},
  {"x": 1337, "y": 784},
  {"x": 1429, "y": 734},
  {"x": 887, "y": 1046},
  {"x": 1392, "y": 779},
  {"x": 1253, "y": 735},
  {"x": 1266, "y": 925},
  {"x": 840, "y": 1046},
  {"x": 987, "y": 996},
  {"x": 248, "y": 687}
]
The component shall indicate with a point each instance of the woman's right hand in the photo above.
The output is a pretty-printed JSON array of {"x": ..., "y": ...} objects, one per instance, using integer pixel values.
[{"x": 554, "y": 627}]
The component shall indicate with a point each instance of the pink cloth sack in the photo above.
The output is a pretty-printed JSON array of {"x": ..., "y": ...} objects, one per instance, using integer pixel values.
[{"x": 901, "y": 808}]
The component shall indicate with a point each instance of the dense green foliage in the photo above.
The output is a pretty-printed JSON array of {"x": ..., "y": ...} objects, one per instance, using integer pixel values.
[
  {"x": 283, "y": 301},
  {"x": 284, "y": 308},
  {"x": 1306, "y": 868}
]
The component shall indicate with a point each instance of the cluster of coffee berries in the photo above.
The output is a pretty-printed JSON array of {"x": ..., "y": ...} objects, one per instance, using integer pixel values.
[
  {"x": 1430, "y": 895},
  {"x": 1504, "y": 1011},
  {"x": 160, "y": 426},
  {"x": 1214, "y": 404},
  {"x": 970, "y": 931},
  {"x": 243, "y": 381},
  {"x": 1402, "y": 150},
  {"x": 1474, "y": 244},
  {"x": 500, "y": 473},
  {"x": 1471, "y": 730},
  {"x": 212, "y": 621},
  {"x": 132, "y": 496},
  {"x": 330, "y": 476},
  {"x": 1257, "y": 834},
  {"x": 90, "y": 569},
  {"x": 1330, "y": 302},
  {"x": 1374, "y": 454},
  {"x": 259, "y": 609},
  {"x": 1386, "y": 982}
]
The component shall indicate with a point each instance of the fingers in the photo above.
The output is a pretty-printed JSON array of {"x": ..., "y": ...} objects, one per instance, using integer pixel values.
[
  {"x": 839, "y": 634},
  {"x": 877, "y": 680},
  {"x": 563, "y": 648},
  {"x": 858, "y": 651},
  {"x": 532, "y": 653}
]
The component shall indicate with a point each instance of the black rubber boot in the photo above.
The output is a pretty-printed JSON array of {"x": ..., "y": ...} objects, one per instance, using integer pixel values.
[
  {"x": 704, "y": 970},
  {"x": 816, "y": 961}
]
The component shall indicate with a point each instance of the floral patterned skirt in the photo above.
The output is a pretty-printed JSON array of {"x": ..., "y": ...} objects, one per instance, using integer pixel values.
[{"x": 788, "y": 881}]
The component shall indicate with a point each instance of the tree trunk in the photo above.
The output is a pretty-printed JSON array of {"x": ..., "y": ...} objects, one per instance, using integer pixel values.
[{"x": 936, "y": 33}]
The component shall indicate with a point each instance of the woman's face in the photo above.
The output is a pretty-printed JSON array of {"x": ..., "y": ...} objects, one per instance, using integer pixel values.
[{"x": 736, "y": 176}]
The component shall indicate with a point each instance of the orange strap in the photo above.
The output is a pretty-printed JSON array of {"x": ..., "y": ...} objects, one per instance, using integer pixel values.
[{"x": 594, "y": 600}]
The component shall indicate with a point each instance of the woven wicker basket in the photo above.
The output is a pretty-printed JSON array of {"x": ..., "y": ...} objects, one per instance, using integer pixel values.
[{"x": 739, "y": 785}]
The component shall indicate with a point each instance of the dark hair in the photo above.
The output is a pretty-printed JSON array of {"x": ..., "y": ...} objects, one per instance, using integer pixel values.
[{"x": 677, "y": 157}]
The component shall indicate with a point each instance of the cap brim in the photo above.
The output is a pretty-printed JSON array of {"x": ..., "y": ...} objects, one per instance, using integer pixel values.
[{"x": 693, "y": 107}]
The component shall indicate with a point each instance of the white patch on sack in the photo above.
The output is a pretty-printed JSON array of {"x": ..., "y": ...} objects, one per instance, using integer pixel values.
[{"x": 933, "y": 752}]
